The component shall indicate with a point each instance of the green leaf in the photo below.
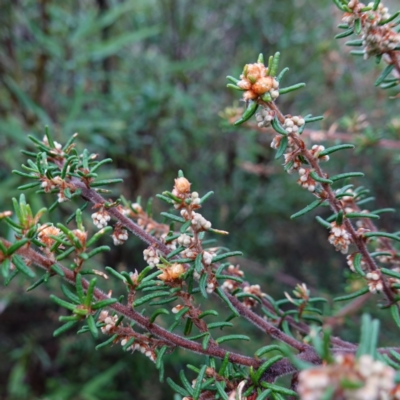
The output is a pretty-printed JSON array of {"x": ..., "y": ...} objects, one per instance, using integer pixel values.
[
  {"x": 357, "y": 26},
  {"x": 264, "y": 394},
  {"x": 318, "y": 178},
  {"x": 346, "y": 175},
  {"x": 21, "y": 266},
  {"x": 101, "y": 233},
  {"x": 309, "y": 119},
  {"x": 107, "y": 342},
  {"x": 278, "y": 127},
  {"x": 291, "y": 88},
  {"x": 206, "y": 197},
  {"x": 199, "y": 382},
  {"x": 307, "y": 209},
  {"x": 272, "y": 71},
  {"x": 232, "y": 79},
  {"x": 221, "y": 391},
  {"x": 383, "y": 210},
  {"x": 203, "y": 285},
  {"x": 362, "y": 215},
  {"x": 324, "y": 223},
  {"x": 63, "y": 303},
  {"x": 103, "y": 303},
  {"x": 11, "y": 276},
  {"x": 92, "y": 326},
  {"x": 282, "y": 74},
  {"x": 267, "y": 364},
  {"x": 220, "y": 257},
  {"x": 357, "y": 264},
  {"x": 353, "y": 295},
  {"x": 232, "y": 86},
  {"x": 69, "y": 295},
  {"x": 112, "y": 271},
  {"x": 282, "y": 147},
  {"x": 90, "y": 291},
  {"x": 355, "y": 43},
  {"x": 279, "y": 389},
  {"x": 185, "y": 382},
  {"x": 382, "y": 234},
  {"x": 64, "y": 328},
  {"x": 160, "y": 355},
  {"x": 178, "y": 389},
  {"x": 390, "y": 19},
  {"x": 390, "y": 272},
  {"x": 394, "y": 310},
  {"x": 173, "y": 217},
  {"x": 225, "y": 298},
  {"x": 198, "y": 265},
  {"x": 17, "y": 245},
  {"x": 332, "y": 149},
  {"x": 208, "y": 312},
  {"x": 58, "y": 270},
  {"x": 344, "y": 34},
  {"x": 341, "y": 6},
  {"x": 158, "y": 312},
  {"x": 149, "y": 297},
  {"x": 214, "y": 325},
  {"x": 384, "y": 74},
  {"x": 71, "y": 236},
  {"x": 41, "y": 280},
  {"x": 227, "y": 338},
  {"x": 205, "y": 341},
  {"x": 267, "y": 349},
  {"x": 224, "y": 364},
  {"x": 248, "y": 113},
  {"x": 105, "y": 182}
]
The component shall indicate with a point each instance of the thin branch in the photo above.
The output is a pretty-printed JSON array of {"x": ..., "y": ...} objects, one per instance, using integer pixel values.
[{"x": 213, "y": 350}]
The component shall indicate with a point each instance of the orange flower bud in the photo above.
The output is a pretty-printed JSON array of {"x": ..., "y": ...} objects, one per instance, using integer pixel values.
[
  {"x": 182, "y": 185},
  {"x": 263, "y": 85}
]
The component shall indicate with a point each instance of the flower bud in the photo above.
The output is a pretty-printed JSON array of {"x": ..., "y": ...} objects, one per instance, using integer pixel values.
[{"x": 182, "y": 185}]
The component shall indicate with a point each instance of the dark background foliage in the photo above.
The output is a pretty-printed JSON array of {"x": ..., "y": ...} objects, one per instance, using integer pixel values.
[{"x": 143, "y": 82}]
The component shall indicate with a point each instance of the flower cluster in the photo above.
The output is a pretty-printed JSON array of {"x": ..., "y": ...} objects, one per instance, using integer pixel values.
[
  {"x": 109, "y": 322},
  {"x": 230, "y": 285},
  {"x": 377, "y": 38},
  {"x": 305, "y": 180},
  {"x": 81, "y": 236},
  {"x": 143, "y": 347},
  {"x": 45, "y": 233},
  {"x": 369, "y": 378},
  {"x": 172, "y": 272},
  {"x": 264, "y": 117},
  {"x": 56, "y": 183},
  {"x": 199, "y": 223},
  {"x": 120, "y": 235},
  {"x": 57, "y": 146},
  {"x": 375, "y": 283},
  {"x": 350, "y": 262},
  {"x": 136, "y": 212},
  {"x": 293, "y": 124},
  {"x": 100, "y": 218},
  {"x": 109, "y": 328},
  {"x": 316, "y": 150},
  {"x": 151, "y": 256},
  {"x": 256, "y": 82},
  {"x": 254, "y": 290},
  {"x": 339, "y": 238}
]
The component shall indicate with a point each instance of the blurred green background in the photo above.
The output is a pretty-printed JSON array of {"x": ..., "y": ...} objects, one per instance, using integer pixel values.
[{"x": 143, "y": 82}]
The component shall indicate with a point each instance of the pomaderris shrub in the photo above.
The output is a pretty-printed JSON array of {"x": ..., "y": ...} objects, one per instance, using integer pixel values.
[{"x": 182, "y": 269}]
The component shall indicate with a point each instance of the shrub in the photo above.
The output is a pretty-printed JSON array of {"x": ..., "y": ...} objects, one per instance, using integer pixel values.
[{"x": 168, "y": 305}]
